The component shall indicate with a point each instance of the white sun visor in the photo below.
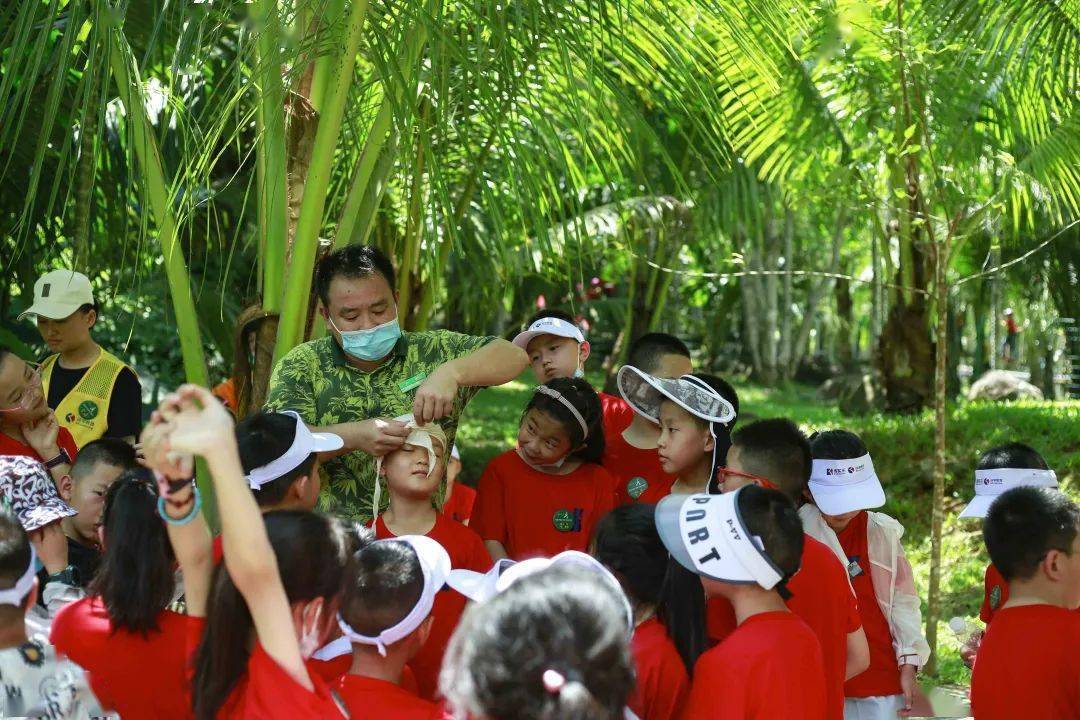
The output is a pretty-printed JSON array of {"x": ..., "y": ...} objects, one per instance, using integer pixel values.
[
  {"x": 644, "y": 393},
  {"x": 549, "y": 326},
  {"x": 991, "y": 483},
  {"x": 706, "y": 535},
  {"x": 846, "y": 485},
  {"x": 435, "y": 566},
  {"x": 304, "y": 443}
]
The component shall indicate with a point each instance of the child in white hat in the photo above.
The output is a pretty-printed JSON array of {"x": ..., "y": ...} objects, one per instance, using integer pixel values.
[{"x": 843, "y": 487}]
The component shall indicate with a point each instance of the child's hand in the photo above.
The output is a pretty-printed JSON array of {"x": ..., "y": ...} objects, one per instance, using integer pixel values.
[
  {"x": 970, "y": 649},
  {"x": 154, "y": 446},
  {"x": 51, "y": 546},
  {"x": 909, "y": 685},
  {"x": 197, "y": 423},
  {"x": 41, "y": 435}
]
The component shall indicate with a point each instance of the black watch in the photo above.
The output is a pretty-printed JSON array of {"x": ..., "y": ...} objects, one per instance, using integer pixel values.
[
  {"x": 68, "y": 576},
  {"x": 61, "y": 459}
]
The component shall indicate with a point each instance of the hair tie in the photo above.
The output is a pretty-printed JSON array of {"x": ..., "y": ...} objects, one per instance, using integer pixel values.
[
  {"x": 555, "y": 394},
  {"x": 782, "y": 588},
  {"x": 553, "y": 681}
]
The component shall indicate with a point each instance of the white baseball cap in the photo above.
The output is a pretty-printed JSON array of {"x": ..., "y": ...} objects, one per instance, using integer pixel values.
[
  {"x": 707, "y": 535},
  {"x": 845, "y": 485},
  {"x": 549, "y": 326},
  {"x": 304, "y": 443},
  {"x": 991, "y": 483},
  {"x": 58, "y": 294},
  {"x": 435, "y": 567}
]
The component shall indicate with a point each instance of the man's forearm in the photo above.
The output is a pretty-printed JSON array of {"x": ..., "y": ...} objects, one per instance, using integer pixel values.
[
  {"x": 498, "y": 362},
  {"x": 349, "y": 433}
]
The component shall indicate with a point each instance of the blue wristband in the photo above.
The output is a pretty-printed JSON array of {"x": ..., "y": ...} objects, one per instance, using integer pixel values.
[{"x": 195, "y": 509}]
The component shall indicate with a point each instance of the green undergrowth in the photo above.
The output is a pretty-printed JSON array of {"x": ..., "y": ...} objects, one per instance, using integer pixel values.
[{"x": 903, "y": 451}]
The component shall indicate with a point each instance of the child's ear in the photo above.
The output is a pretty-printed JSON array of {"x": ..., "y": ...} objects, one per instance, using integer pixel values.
[
  {"x": 710, "y": 442},
  {"x": 583, "y": 351},
  {"x": 424, "y": 630},
  {"x": 1052, "y": 565},
  {"x": 66, "y": 488}
]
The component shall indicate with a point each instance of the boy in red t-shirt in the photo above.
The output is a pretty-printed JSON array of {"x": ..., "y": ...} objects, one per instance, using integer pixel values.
[
  {"x": 630, "y": 453},
  {"x": 412, "y": 474},
  {"x": 459, "y": 498},
  {"x": 390, "y": 589},
  {"x": 1027, "y": 664},
  {"x": 775, "y": 453},
  {"x": 558, "y": 349},
  {"x": 745, "y": 545},
  {"x": 1000, "y": 469}
]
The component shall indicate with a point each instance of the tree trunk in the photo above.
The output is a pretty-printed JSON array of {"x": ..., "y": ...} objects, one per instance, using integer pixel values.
[
  {"x": 981, "y": 362},
  {"x": 844, "y": 307}
]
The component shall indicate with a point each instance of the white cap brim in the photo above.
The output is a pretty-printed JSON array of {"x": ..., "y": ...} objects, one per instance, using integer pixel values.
[
  {"x": 478, "y": 586},
  {"x": 50, "y": 310},
  {"x": 978, "y": 507},
  {"x": 841, "y": 499},
  {"x": 548, "y": 326},
  {"x": 645, "y": 393},
  {"x": 326, "y": 442}
]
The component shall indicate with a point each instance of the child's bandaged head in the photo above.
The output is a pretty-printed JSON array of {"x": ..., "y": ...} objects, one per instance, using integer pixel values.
[{"x": 425, "y": 436}]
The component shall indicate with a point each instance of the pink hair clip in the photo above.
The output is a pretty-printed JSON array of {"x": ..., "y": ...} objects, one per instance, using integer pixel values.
[{"x": 553, "y": 681}]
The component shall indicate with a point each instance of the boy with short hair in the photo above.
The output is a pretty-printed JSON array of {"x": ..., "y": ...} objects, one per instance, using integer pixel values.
[
  {"x": 96, "y": 468},
  {"x": 390, "y": 589},
  {"x": 745, "y": 545},
  {"x": 630, "y": 443},
  {"x": 412, "y": 475},
  {"x": 1027, "y": 662},
  {"x": 558, "y": 349},
  {"x": 775, "y": 452},
  {"x": 35, "y": 682},
  {"x": 279, "y": 456}
]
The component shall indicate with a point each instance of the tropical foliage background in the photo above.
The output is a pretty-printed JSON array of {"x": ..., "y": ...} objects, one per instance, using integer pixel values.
[{"x": 798, "y": 188}]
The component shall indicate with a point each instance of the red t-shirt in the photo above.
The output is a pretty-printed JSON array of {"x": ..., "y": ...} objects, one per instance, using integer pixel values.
[
  {"x": 467, "y": 552},
  {"x": 459, "y": 506},
  {"x": 267, "y": 691},
  {"x": 995, "y": 593},
  {"x": 366, "y": 697},
  {"x": 1027, "y": 665},
  {"x": 662, "y": 680},
  {"x": 637, "y": 472},
  {"x": 64, "y": 440},
  {"x": 615, "y": 411},
  {"x": 533, "y": 513},
  {"x": 883, "y": 675},
  {"x": 821, "y": 596},
  {"x": 137, "y": 676},
  {"x": 770, "y": 667}
]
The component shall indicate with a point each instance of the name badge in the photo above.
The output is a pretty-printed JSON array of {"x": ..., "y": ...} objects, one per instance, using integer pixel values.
[{"x": 412, "y": 383}]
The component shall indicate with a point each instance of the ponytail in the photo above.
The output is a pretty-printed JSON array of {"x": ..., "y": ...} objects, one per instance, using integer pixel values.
[
  {"x": 627, "y": 542},
  {"x": 311, "y": 552},
  {"x": 135, "y": 580},
  {"x": 560, "y": 393}
]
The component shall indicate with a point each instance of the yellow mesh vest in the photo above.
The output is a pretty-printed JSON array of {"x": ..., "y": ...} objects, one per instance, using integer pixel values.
[{"x": 85, "y": 410}]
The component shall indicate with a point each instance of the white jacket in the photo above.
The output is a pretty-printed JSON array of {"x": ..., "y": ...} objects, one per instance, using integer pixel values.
[{"x": 890, "y": 572}]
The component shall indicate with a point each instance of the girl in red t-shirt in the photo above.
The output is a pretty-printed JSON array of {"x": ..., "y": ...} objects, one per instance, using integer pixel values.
[
  {"x": 844, "y": 486},
  {"x": 547, "y": 494},
  {"x": 274, "y": 598},
  {"x": 127, "y": 625},
  {"x": 669, "y": 609}
]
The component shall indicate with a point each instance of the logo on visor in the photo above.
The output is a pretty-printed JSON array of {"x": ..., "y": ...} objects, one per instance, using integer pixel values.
[
  {"x": 568, "y": 520},
  {"x": 45, "y": 290},
  {"x": 635, "y": 487}
]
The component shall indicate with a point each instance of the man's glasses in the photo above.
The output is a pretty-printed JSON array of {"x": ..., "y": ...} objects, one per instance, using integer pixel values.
[
  {"x": 723, "y": 473},
  {"x": 29, "y": 391}
]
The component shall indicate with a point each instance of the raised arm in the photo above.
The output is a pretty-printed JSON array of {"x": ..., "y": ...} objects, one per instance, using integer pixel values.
[
  {"x": 495, "y": 363},
  {"x": 203, "y": 427}
]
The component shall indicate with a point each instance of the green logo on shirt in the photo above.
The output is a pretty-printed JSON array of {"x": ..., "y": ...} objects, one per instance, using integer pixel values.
[
  {"x": 88, "y": 410},
  {"x": 636, "y": 486},
  {"x": 563, "y": 520}
]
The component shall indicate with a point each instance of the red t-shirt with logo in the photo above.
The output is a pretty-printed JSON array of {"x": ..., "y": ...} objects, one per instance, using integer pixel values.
[
  {"x": 64, "y": 440},
  {"x": 366, "y": 697},
  {"x": 637, "y": 472},
  {"x": 534, "y": 513},
  {"x": 995, "y": 593},
  {"x": 1027, "y": 665},
  {"x": 770, "y": 667},
  {"x": 467, "y": 552},
  {"x": 460, "y": 505},
  {"x": 822, "y": 597},
  {"x": 117, "y": 661},
  {"x": 266, "y": 692},
  {"x": 883, "y": 675},
  {"x": 662, "y": 680}
]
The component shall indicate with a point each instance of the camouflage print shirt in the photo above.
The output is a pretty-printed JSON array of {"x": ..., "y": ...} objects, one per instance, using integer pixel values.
[{"x": 316, "y": 381}]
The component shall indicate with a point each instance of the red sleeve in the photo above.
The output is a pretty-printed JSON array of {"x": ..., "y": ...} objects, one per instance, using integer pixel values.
[
  {"x": 67, "y": 442},
  {"x": 479, "y": 557},
  {"x": 986, "y": 612},
  {"x": 488, "y": 518},
  {"x": 64, "y": 632}
]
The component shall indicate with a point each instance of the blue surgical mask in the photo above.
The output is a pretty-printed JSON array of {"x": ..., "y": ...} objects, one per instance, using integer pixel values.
[{"x": 371, "y": 344}]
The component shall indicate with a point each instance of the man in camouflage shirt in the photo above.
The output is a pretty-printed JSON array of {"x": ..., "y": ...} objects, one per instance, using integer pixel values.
[{"x": 367, "y": 371}]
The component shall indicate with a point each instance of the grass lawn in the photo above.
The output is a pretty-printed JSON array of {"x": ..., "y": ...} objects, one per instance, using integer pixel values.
[{"x": 902, "y": 447}]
